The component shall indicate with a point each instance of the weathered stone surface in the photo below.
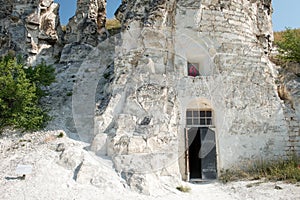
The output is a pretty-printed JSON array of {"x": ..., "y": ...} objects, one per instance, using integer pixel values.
[
  {"x": 75, "y": 52},
  {"x": 144, "y": 88},
  {"x": 231, "y": 41},
  {"x": 31, "y": 28},
  {"x": 99, "y": 145},
  {"x": 94, "y": 171},
  {"x": 70, "y": 158},
  {"x": 148, "y": 13},
  {"x": 88, "y": 24},
  {"x": 289, "y": 92},
  {"x": 144, "y": 173}
]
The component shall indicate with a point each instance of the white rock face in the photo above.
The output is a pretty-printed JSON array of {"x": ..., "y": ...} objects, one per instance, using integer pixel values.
[
  {"x": 88, "y": 23},
  {"x": 144, "y": 82},
  {"x": 99, "y": 145},
  {"x": 70, "y": 158},
  {"x": 229, "y": 41}
]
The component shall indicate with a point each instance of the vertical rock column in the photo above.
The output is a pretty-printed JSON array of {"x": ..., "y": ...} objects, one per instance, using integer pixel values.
[
  {"x": 32, "y": 29},
  {"x": 142, "y": 132},
  {"x": 88, "y": 24}
]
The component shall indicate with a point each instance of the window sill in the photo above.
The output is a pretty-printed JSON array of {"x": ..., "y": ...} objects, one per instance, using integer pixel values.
[{"x": 200, "y": 126}]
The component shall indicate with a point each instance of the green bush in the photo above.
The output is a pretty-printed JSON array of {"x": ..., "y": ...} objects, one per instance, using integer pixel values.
[
  {"x": 289, "y": 45},
  {"x": 20, "y": 93},
  {"x": 41, "y": 76}
]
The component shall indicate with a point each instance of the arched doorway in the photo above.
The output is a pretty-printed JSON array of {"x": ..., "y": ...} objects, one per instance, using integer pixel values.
[{"x": 201, "y": 157}]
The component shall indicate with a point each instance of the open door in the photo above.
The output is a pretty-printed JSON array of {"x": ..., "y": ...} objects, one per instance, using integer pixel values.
[
  {"x": 208, "y": 154},
  {"x": 201, "y": 153}
]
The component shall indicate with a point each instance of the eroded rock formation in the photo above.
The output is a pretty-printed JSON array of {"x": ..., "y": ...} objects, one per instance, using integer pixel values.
[
  {"x": 289, "y": 92},
  {"x": 31, "y": 28},
  {"x": 85, "y": 30},
  {"x": 88, "y": 23},
  {"x": 229, "y": 43},
  {"x": 176, "y": 66}
]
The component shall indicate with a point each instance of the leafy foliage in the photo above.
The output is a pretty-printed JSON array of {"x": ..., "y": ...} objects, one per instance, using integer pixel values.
[
  {"x": 20, "y": 93},
  {"x": 288, "y": 43},
  {"x": 42, "y": 75}
]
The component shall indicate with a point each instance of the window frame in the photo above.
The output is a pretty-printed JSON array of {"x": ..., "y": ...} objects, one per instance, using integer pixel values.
[
  {"x": 196, "y": 65},
  {"x": 195, "y": 117}
]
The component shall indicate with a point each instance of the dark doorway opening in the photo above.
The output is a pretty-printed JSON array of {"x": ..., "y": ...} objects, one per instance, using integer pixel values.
[{"x": 201, "y": 153}]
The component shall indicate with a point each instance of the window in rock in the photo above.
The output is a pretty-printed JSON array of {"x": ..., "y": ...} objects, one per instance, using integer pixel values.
[
  {"x": 193, "y": 69},
  {"x": 199, "y": 118}
]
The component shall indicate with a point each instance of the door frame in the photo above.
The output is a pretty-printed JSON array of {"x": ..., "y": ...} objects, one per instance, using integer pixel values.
[{"x": 187, "y": 156}]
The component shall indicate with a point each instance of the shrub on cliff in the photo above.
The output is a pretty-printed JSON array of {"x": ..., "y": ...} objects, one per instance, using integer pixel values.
[
  {"x": 289, "y": 45},
  {"x": 20, "y": 93}
]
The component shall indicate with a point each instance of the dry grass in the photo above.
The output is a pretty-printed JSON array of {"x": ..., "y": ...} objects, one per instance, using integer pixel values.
[
  {"x": 184, "y": 189},
  {"x": 278, "y": 170},
  {"x": 112, "y": 24},
  {"x": 64, "y": 28}
]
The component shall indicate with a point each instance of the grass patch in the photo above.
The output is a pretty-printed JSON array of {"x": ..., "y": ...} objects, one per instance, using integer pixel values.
[
  {"x": 184, "y": 189},
  {"x": 64, "y": 28},
  {"x": 233, "y": 175},
  {"x": 113, "y": 26},
  {"x": 277, "y": 170}
]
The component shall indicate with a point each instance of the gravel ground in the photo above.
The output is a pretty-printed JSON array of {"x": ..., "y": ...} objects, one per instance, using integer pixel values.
[{"x": 54, "y": 161}]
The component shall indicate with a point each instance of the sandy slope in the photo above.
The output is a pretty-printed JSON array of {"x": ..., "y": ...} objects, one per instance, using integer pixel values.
[{"x": 54, "y": 175}]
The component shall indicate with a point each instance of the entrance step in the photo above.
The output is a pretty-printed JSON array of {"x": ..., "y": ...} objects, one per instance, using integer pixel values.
[{"x": 202, "y": 181}]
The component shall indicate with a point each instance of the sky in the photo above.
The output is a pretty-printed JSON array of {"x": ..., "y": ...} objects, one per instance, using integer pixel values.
[
  {"x": 68, "y": 8},
  {"x": 286, "y": 12}
]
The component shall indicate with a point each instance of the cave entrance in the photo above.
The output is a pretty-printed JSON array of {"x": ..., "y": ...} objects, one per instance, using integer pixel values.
[
  {"x": 201, "y": 157},
  {"x": 201, "y": 154}
]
